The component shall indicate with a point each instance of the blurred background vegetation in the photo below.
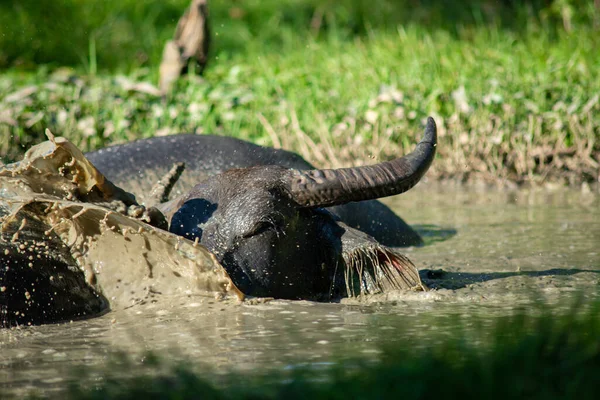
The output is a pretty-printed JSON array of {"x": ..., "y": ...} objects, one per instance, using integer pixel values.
[
  {"x": 513, "y": 85},
  {"x": 125, "y": 34}
]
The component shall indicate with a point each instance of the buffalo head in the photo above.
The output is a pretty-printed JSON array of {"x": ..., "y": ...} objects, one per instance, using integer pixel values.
[{"x": 268, "y": 227}]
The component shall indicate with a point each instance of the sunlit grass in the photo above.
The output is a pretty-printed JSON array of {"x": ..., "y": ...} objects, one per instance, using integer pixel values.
[{"x": 341, "y": 82}]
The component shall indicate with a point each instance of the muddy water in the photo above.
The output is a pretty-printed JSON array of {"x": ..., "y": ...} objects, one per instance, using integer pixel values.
[{"x": 488, "y": 253}]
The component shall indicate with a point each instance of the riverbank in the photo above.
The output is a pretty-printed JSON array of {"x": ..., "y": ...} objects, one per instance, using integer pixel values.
[{"x": 516, "y": 100}]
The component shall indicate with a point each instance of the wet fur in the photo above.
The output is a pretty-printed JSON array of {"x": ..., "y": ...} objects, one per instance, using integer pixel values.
[
  {"x": 137, "y": 166},
  {"x": 271, "y": 246}
]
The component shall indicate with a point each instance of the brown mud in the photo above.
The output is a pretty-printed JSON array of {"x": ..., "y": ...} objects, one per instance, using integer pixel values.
[{"x": 71, "y": 248}]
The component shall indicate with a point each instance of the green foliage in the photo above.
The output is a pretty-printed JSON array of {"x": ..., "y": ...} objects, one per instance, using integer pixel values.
[
  {"x": 509, "y": 83},
  {"x": 59, "y": 32},
  {"x": 128, "y": 34}
]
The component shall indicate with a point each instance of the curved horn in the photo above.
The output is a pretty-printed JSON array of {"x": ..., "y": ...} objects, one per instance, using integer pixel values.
[{"x": 329, "y": 187}]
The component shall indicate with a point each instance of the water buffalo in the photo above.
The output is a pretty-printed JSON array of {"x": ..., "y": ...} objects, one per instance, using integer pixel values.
[{"x": 280, "y": 227}]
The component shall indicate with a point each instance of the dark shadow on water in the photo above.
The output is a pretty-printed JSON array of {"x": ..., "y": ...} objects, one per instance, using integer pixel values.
[
  {"x": 433, "y": 233},
  {"x": 440, "y": 279}
]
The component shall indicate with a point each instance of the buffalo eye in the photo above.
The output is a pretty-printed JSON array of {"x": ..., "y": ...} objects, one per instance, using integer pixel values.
[{"x": 258, "y": 228}]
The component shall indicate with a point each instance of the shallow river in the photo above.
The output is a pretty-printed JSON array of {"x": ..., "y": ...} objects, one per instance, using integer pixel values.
[{"x": 488, "y": 253}]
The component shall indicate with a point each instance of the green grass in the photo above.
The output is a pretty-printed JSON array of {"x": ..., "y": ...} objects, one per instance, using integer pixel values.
[
  {"x": 546, "y": 357},
  {"x": 514, "y": 88}
]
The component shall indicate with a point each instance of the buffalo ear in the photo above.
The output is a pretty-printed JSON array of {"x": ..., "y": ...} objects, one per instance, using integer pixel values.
[{"x": 169, "y": 208}]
